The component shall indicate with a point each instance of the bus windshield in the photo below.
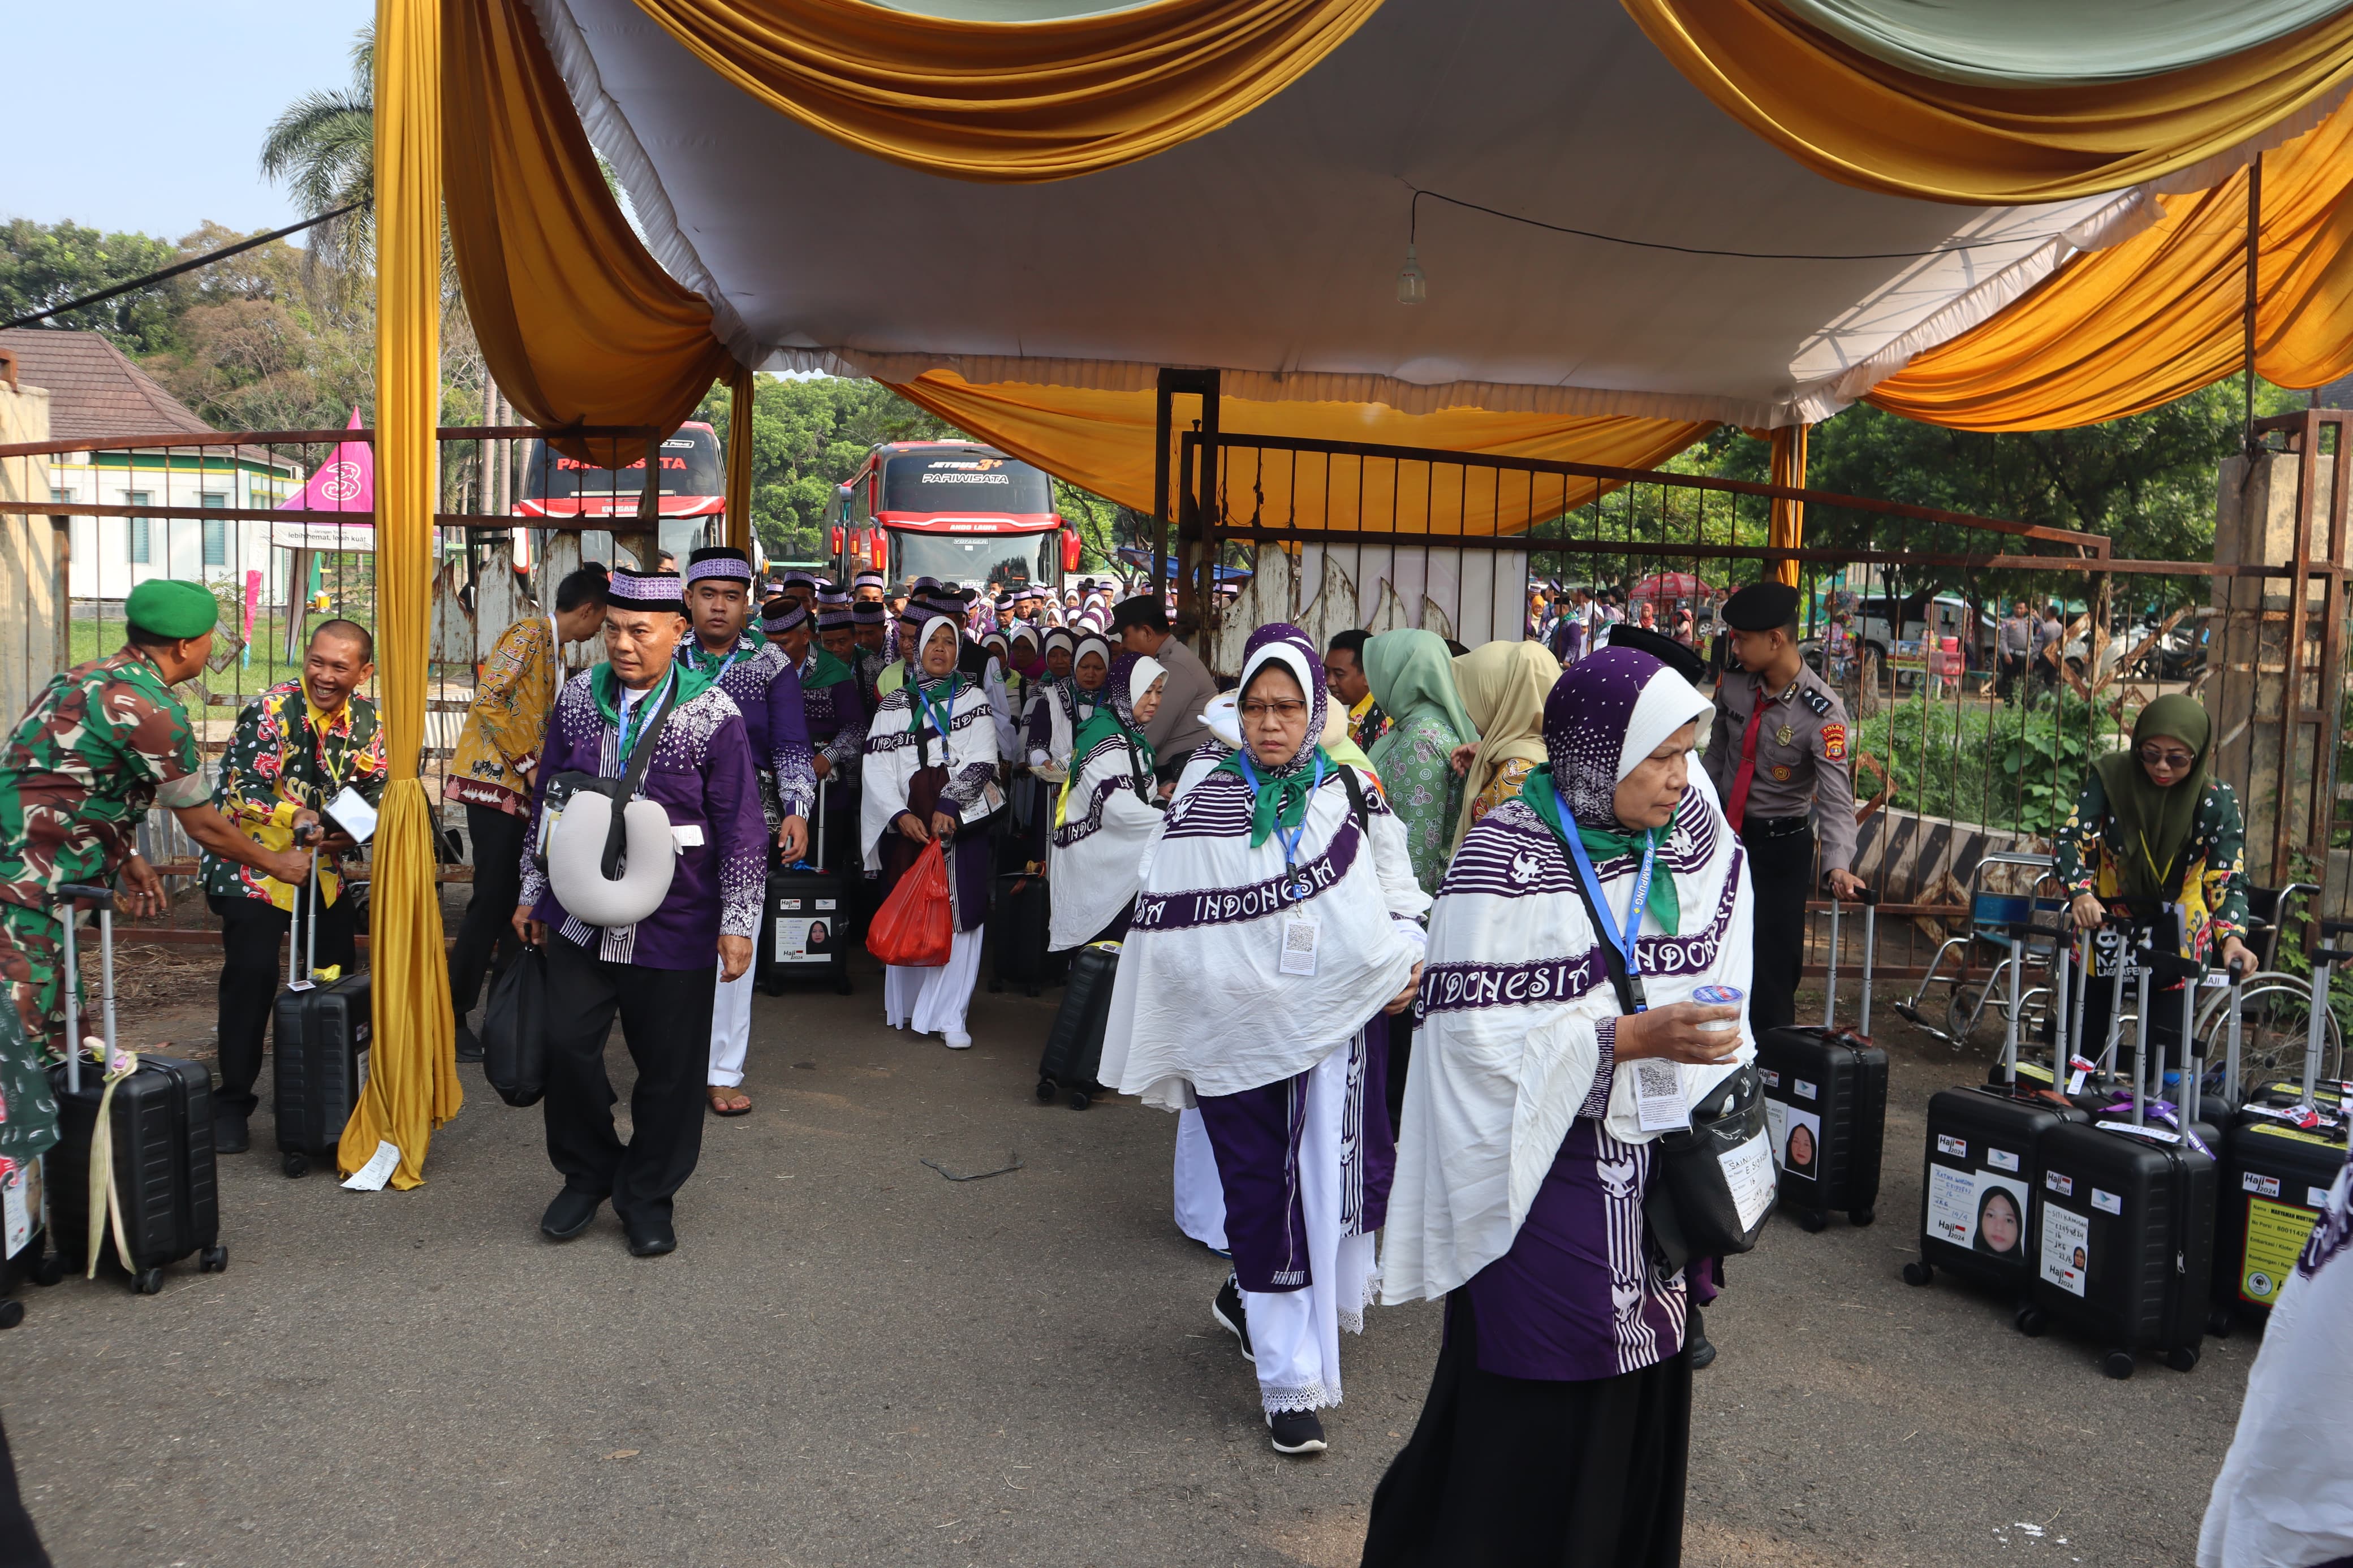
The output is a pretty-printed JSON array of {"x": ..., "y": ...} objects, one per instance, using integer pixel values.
[
  {"x": 965, "y": 481},
  {"x": 995, "y": 562}
]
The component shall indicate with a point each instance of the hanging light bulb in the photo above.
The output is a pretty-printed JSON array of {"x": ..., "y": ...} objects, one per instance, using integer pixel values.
[{"x": 1413, "y": 284}]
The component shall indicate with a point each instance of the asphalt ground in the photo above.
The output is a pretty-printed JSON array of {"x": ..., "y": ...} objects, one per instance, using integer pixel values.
[{"x": 854, "y": 1359}]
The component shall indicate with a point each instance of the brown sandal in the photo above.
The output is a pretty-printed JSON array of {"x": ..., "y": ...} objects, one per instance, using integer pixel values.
[{"x": 728, "y": 1101}]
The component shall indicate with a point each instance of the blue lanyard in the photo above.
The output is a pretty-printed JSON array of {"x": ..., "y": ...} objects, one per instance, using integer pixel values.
[
  {"x": 634, "y": 718},
  {"x": 1624, "y": 942},
  {"x": 1290, "y": 840}
]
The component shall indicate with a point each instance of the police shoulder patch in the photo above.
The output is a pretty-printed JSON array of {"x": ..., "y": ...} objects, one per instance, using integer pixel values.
[
  {"x": 1834, "y": 741},
  {"x": 1819, "y": 702}
]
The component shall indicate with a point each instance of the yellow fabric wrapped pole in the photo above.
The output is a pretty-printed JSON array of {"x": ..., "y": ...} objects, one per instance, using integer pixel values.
[
  {"x": 740, "y": 395},
  {"x": 412, "y": 1084},
  {"x": 1784, "y": 527}
]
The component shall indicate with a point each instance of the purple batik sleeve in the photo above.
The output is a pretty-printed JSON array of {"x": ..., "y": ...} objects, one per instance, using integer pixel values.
[
  {"x": 731, "y": 802},
  {"x": 788, "y": 758},
  {"x": 1596, "y": 1100}
]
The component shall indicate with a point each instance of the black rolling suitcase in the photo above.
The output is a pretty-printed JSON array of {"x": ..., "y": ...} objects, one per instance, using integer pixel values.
[
  {"x": 1826, "y": 1101},
  {"x": 24, "y": 1251},
  {"x": 805, "y": 927},
  {"x": 1977, "y": 1201},
  {"x": 160, "y": 1124},
  {"x": 1074, "y": 1044},
  {"x": 2124, "y": 1241},
  {"x": 2279, "y": 1160},
  {"x": 1021, "y": 923},
  {"x": 319, "y": 1049}
]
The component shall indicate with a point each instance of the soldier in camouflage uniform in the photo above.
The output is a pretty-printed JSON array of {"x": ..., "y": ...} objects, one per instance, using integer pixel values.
[
  {"x": 296, "y": 746},
  {"x": 102, "y": 742}
]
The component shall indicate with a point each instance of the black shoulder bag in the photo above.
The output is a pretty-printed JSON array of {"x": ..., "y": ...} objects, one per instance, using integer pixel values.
[
  {"x": 621, "y": 791},
  {"x": 1699, "y": 1176}
]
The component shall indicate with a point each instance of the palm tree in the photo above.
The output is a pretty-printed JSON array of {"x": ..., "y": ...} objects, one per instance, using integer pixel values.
[{"x": 324, "y": 148}]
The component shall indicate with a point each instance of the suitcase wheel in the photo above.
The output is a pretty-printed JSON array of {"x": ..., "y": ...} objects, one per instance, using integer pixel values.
[
  {"x": 12, "y": 1313},
  {"x": 2182, "y": 1359},
  {"x": 1046, "y": 1090},
  {"x": 1861, "y": 1215},
  {"x": 773, "y": 985},
  {"x": 2117, "y": 1364},
  {"x": 1811, "y": 1220},
  {"x": 212, "y": 1260},
  {"x": 841, "y": 984},
  {"x": 295, "y": 1165},
  {"x": 2218, "y": 1323},
  {"x": 1080, "y": 1099},
  {"x": 1919, "y": 1271},
  {"x": 48, "y": 1268},
  {"x": 148, "y": 1282},
  {"x": 2030, "y": 1320}
]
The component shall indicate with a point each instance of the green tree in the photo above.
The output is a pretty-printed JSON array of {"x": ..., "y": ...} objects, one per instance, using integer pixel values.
[
  {"x": 45, "y": 265},
  {"x": 323, "y": 149}
]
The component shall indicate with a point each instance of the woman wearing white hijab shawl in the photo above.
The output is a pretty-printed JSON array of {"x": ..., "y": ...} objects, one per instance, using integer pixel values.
[
  {"x": 931, "y": 772},
  {"x": 1109, "y": 810},
  {"x": 1558, "y": 1422},
  {"x": 1276, "y": 919}
]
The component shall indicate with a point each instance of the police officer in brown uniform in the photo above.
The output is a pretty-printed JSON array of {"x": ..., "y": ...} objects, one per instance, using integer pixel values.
[{"x": 1776, "y": 753}]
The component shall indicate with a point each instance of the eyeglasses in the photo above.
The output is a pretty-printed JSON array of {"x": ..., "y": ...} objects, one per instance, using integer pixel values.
[
  {"x": 1256, "y": 710},
  {"x": 2165, "y": 757}
]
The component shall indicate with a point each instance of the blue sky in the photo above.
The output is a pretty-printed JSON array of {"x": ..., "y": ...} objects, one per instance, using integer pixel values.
[{"x": 148, "y": 114}]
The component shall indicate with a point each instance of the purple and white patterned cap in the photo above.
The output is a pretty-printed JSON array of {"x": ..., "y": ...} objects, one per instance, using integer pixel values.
[
  {"x": 631, "y": 590},
  {"x": 869, "y": 613},
  {"x": 720, "y": 560},
  {"x": 789, "y": 615},
  {"x": 831, "y": 615},
  {"x": 866, "y": 580}
]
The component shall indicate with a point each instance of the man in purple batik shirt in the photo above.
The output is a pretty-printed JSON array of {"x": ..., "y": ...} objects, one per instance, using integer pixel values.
[{"x": 657, "y": 973}]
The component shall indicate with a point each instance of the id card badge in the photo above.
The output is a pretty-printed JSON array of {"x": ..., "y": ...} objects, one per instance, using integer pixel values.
[
  {"x": 1659, "y": 1103},
  {"x": 1301, "y": 934}
]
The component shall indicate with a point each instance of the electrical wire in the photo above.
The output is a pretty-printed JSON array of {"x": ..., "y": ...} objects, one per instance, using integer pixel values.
[
  {"x": 1413, "y": 219},
  {"x": 174, "y": 270}
]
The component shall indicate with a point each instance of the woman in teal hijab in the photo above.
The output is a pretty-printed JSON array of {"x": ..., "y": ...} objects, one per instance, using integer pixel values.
[{"x": 1412, "y": 677}]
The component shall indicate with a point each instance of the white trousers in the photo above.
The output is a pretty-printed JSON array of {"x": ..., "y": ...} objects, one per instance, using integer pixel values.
[
  {"x": 933, "y": 1001},
  {"x": 1200, "y": 1197},
  {"x": 1296, "y": 1335},
  {"x": 731, "y": 1027}
]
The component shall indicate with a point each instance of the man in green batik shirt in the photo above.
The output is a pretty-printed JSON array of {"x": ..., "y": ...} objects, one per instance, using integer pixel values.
[{"x": 104, "y": 743}]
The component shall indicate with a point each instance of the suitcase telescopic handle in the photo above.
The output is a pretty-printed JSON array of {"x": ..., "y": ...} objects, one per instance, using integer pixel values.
[{"x": 1868, "y": 898}]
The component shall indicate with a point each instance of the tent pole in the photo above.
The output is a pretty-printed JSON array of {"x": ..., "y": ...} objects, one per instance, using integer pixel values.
[{"x": 1160, "y": 430}]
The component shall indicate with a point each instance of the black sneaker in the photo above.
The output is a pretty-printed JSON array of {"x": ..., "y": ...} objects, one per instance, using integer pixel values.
[
  {"x": 1231, "y": 1317},
  {"x": 1296, "y": 1432},
  {"x": 1695, "y": 1342},
  {"x": 470, "y": 1045},
  {"x": 229, "y": 1136}
]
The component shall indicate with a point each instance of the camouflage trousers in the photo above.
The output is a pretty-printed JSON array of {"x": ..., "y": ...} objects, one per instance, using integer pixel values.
[{"x": 32, "y": 1031}]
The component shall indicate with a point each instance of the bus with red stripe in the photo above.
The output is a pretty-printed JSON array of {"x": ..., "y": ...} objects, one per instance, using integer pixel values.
[
  {"x": 954, "y": 511},
  {"x": 692, "y": 480}
]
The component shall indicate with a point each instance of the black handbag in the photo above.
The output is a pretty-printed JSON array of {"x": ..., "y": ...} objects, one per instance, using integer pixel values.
[
  {"x": 1713, "y": 1184},
  {"x": 514, "y": 1029}
]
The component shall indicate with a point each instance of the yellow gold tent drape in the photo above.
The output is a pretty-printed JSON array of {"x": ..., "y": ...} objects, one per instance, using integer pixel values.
[
  {"x": 412, "y": 1085},
  {"x": 2119, "y": 331},
  {"x": 1011, "y": 102},
  {"x": 1861, "y": 122},
  {"x": 1786, "y": 525},
  {"x": 579, "y": 324},
  {"x": 1102, "y": 441}
]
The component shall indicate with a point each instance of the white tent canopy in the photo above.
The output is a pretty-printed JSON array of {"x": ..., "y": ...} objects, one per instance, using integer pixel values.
[{"x": 1270, "y": 248}]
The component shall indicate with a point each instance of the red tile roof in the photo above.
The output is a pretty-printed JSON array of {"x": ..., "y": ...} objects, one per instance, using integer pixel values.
[{"x": 94, "y": 390}]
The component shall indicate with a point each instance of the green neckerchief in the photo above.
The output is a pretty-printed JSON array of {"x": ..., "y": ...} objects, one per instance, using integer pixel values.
[
  {"x": 1103, "y": 724},
  {"x": 824, "y": 670},
  {"x": 1665, "y": 906},
  {"x": 939, "y": 695},
  {"x": 691, "y": 682},
  {"x": 1279, "y": 800},
  {"x": 697, "y": 657}
]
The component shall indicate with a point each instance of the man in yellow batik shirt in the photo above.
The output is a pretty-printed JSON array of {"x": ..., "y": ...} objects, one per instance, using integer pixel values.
[
  {"x": 494, "y": 767},
  {"x": 297, "y": 747}
]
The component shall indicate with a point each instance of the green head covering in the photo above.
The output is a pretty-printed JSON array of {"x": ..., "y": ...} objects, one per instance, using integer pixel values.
[
  {"x": 2152, "y": 825},
  {"x": 1412, "y": 672},
  {"x": 1543, "y": 797},
  {"x": 168, "y": 607}
]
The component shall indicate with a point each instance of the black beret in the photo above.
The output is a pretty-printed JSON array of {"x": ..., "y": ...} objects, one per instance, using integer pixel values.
[
  {"x": 1663, "y": 648},
  {"x": 1761, "y": 607}
]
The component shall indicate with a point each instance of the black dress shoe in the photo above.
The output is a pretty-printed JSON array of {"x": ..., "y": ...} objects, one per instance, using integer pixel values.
[
  {"x": 651, "y": 1236},
  {"x": 229, "y": 1136},
  {"x": 470, "y": 1045},
  {"x": 1695, "y": 1342},
  {"x": 569, "y": 1215}
]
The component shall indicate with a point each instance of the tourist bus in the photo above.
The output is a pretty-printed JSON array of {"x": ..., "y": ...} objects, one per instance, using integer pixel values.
[
  {"x": 693, "y": 483},
  {"x": 956, "y": 511}
]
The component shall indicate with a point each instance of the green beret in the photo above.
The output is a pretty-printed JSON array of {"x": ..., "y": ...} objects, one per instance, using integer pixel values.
[{"x": 166, "y": 607}]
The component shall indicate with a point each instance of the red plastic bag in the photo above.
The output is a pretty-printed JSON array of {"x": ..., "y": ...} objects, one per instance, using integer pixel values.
[{"x": 916, "y": 925}]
